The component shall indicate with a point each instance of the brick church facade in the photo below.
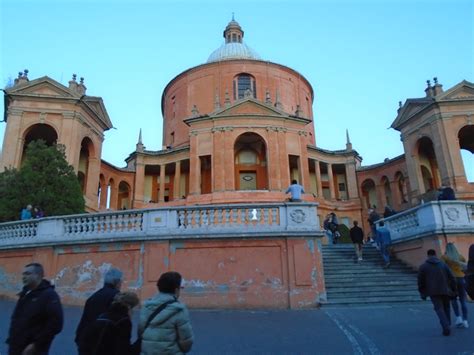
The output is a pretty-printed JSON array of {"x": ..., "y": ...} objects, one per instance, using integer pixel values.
[{"x": 238, "y": 129}]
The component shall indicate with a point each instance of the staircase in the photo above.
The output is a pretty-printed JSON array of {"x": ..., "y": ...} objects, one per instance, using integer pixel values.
[{"x": 367, "y": 282}]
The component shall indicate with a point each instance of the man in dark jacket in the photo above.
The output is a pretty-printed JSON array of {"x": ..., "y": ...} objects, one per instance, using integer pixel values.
[
  {"x": 99, "y": 303},
  {"x": 357, "y": 236},
  {"x": 38, "y": 315},
  {"x": 373, "y": 217},
  {"x": 436, "y": 281}
]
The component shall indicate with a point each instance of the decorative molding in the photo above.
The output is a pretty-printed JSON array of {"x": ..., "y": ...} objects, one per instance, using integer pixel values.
[
  {"x": 452, "y": 213},
  {"x": 298, "y": 216}
]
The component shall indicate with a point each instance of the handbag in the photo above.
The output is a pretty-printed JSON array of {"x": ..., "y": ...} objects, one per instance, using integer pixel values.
[{"x": 137, "y": 346}]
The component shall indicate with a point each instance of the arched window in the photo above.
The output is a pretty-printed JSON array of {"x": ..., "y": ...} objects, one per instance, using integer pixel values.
[
  {"x": 244, "y": 86},
  {"x": 466, "y": 144}
]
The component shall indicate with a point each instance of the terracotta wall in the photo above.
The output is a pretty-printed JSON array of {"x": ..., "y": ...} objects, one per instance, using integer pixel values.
[{"x": 236, "y": 273}]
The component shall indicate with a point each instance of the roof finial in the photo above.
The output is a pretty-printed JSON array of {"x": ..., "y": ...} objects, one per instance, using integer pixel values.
[
  {"x": 399, "y": 104},
  {"x": 233, "y": 17},
  {"x": 435, "y": 79},
  {"x": 140, "y": 137},
  {"x": 428, "y": 83},
  {"x": 348, "y": 141},
  {"x": 140, "y": 147}
]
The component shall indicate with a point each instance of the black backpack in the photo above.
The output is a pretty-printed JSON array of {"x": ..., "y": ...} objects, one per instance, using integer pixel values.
[{"x": 101, "y": 336}]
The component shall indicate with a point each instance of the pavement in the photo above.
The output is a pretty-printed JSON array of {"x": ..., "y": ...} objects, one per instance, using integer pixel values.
[{"x": 377, "y": 329}]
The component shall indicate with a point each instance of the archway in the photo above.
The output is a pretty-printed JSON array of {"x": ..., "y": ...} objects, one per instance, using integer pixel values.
[
  {"x": 466, "y": 146},
  {"x": 123, "y": 196},
  {"x": 86, "y": 153},
  {"x": 402, "y": 187},
  {"x": 369, "y": 194},
  {"x": 387, "y": 191},
  {"x": 39, "y": 131},
  {"x": 428, "y": 165},
  {"x": 250, "y": 162}
]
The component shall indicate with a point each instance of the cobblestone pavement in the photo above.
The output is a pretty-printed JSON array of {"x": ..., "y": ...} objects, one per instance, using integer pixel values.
[{"x": 401, "y": 329}]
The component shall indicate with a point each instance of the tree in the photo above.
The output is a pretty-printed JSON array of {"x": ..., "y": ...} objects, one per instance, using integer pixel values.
[{"x": 45, "y": 180}]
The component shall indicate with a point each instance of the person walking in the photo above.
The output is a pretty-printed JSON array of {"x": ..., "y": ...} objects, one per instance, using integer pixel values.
[
  {"x": 37, "y": 317},
  {"x": 436, "y": 281},
  {"x": 357, "y": 236},
  {"x": 165, "y": 326},
  {"x": 295, "y": 190},
  {"x": 469, "y": 278},
  {"x": 456, "y": 263},
  {"x": 384, "y": 239},
  {"x": 373, "y": 217},
  {"x": 111, "y": 332},
  {"x": 98, "y": 303}
]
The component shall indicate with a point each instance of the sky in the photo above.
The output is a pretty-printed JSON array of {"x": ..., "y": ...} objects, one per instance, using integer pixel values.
[{"x": 361, "y": 57}]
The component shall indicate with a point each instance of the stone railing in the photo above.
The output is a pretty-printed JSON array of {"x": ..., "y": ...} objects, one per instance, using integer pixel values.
[
  {"x": 437, "y": 217},
  {"x": 209, "y": 221}
]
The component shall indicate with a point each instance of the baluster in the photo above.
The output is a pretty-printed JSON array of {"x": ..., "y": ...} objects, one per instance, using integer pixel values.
[
  {"x": 235, "y": 213},
  {"x": 227, "y": 222},
  {"x": 189, "y": 218},
  {"x": 265, "y": 216},
  {"x": 181, "y": 219},
  {"x": 219, "y": 216}
]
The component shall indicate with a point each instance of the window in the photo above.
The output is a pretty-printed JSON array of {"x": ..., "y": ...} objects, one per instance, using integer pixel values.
[{"x": 244, "y": 85}]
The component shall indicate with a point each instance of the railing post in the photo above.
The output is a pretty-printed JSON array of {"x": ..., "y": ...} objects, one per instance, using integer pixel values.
[{"x": 50, "y": 230}]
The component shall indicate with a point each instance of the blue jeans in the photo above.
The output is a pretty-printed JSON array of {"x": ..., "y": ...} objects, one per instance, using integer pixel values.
[
  {"x": 441, "y": 307},
  {"x": 384, "y": 248},
  {"x": 461, "y": 289}
]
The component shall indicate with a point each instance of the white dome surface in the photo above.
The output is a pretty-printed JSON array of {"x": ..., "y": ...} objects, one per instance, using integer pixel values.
[{"x": 233, "y": 50}]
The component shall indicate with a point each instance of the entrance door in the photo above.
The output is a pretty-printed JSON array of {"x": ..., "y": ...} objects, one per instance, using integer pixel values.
[{"x": 248, "y": 180}]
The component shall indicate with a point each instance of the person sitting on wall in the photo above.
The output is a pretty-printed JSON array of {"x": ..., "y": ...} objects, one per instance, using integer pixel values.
[
  {"x": 295, "y": 190},
  {"x": 446, "y": 193},
  {"x": 26, "y": 213},
  {"x": 388, "y": 211}
]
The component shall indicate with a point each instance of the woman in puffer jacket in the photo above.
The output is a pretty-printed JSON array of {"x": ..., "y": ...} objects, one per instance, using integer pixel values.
[{"x": 170, "y": 331}]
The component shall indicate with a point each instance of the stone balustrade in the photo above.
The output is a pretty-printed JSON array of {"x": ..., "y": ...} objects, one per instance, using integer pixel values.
[
  {"x": 209, "y": 221},
  {"x": 437, "y": 217}
]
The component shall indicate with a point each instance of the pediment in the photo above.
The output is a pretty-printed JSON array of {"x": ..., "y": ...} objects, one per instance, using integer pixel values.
[
  {"x": 464, "y": 90},
  {"x": 44, "y": 86},
  {"x": 249, "y": 107},
  {"x": 409, "y": 109}
]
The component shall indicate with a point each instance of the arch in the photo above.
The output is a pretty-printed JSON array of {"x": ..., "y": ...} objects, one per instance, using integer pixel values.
[
  {"x": 86, "y": 153},
  {"x": 402, "y": 186},
  {"x": 250, "y": 162},
  {"x": 244, "y": 85},
  {"x": 466, "y": 146},
  {"x": 428, "y": 164},
  {"x": 123, "y": 196},
  {"x": 387, "y": 190},
  {"x": 102, "y": 193},
  {"x": 369, "y": 194},
  {"x": 38, "y": 131}
]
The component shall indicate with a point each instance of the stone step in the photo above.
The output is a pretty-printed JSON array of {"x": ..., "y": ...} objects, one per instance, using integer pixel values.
[
  {"x": 372, "y": 287},
  {"x": 371, "y": 293},
  {"x": 374, "y": 300},
  {"x": 368, "y": 270},
  {"x": 356, "y": 280}
]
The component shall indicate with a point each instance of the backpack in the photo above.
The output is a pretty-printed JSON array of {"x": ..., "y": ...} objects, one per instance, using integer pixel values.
[{"x": 100, "y": 337}]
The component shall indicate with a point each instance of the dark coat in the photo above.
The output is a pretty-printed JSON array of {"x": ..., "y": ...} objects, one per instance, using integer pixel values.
[
  {"x": 373, "y": 217},
  {"x": 37, "y": 318},
  {"x": 109, "y": 334},
  {"x": 435, "y": 279},
  {"x": 446, "y": 194},
  {"x": 357, "y": 235},
  {"x": 470, "y": 273},
  {"x": 95, "y": 305}
]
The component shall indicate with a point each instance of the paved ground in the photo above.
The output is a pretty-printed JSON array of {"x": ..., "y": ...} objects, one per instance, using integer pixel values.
[{"x": 408, "y": 329}]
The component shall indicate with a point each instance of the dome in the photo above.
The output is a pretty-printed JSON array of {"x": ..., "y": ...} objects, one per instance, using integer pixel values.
[{"x": 233, "y": 50}]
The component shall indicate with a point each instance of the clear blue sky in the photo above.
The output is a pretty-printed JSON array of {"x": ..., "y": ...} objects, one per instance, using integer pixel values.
[{"x": 361, "y": 57}]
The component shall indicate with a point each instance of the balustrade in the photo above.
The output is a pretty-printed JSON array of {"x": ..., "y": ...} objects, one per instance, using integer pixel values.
[{"x": 211, "y": 221}]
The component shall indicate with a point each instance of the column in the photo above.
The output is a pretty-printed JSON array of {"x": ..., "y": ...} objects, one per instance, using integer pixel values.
[
  {"x": 103, "y": 196},
  {"x": 319, "y": 185},
  {"x": 161, "y": 194},
  {"x": 397, "y": 198},
  {"x": 177, "y": 181},
  {"x": 351, "y": 180},
  {"x": 229, "y": 160},
  {"x": 114, "y": 196},
  {"x": 381, "y": 200},
  {"x": 273, "y": 162},
  {"x": 218, "y": 156},
  {"x": 331, "y": 182},
  {"x": 92, "y": 180},
  {"x": 139, "y": 188},
  {"x": 283, "y": 157},
  {"x": 194, "y": 166},
  {"x": 303, "y": 162}
]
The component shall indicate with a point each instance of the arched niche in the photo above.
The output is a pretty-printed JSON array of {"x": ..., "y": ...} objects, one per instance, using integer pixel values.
[{"x": 250, "y": 154}]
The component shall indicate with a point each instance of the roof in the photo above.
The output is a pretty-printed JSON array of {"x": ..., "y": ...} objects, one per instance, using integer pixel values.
[{"x": 233, "y": 50}]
